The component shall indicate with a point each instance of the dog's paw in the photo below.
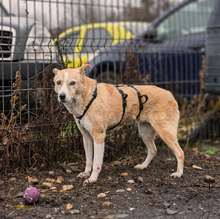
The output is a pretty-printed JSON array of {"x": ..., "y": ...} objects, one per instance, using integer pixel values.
[
  {"x": 84, "y": 175},
  {"x": 176, "y": 175},
  {"x": 89, "y": 181},
  {"x": 139, "y": 167}
]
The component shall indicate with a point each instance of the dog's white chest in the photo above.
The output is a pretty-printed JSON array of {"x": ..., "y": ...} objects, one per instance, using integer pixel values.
[
  {"x": 73, "y": 109},
  {"x": 85, "y": 123}
]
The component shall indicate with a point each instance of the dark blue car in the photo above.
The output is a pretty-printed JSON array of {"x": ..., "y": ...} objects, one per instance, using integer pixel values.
[{"x": 171, "y": 53}]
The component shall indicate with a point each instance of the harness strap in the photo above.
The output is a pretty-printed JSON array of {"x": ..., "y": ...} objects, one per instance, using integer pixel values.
[
  {"x": 124, "y": 104},
  {"x": 94, "y": 95},
  {"x": 141, "y": 104}
]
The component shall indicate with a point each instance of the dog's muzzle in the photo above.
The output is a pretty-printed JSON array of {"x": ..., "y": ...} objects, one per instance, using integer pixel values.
[{"x": 62, "y": 97}]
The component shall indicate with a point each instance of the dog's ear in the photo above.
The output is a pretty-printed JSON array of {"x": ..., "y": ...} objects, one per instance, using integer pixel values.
[
  {"x": 82, "y": 68},
  {"x": 55, "y": 71}
]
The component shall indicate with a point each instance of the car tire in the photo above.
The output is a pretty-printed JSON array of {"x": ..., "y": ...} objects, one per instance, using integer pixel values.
[{"x": 108, "y": 77}]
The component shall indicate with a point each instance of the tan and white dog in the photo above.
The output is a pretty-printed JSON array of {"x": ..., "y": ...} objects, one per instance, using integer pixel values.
[{"x": 97, "y": 107}]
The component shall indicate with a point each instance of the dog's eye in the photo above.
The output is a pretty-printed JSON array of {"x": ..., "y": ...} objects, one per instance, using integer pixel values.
[
  {"x": 72, "y": 82},
  {"x": 58, "y": 82}
]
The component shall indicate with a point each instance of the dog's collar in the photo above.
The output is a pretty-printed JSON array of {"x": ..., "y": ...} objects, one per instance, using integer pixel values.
[{"x": 94, "y": 95}]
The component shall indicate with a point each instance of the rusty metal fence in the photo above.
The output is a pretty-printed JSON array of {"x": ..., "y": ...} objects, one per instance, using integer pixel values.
[{"x": 132, "y": 42}]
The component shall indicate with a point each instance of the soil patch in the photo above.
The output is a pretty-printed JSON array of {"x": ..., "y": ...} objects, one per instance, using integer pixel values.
[{"x": 154, "y": 194}]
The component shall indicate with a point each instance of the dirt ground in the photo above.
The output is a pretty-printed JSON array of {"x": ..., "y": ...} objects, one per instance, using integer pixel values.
[{"x": 154, "y": 194}]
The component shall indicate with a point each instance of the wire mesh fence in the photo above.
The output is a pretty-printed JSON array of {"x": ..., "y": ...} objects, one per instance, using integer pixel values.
[{"x": 130, "y": 42}]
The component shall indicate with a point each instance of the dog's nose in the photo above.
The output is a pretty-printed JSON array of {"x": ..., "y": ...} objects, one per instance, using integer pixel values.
[{"x": 62, "y": 97}]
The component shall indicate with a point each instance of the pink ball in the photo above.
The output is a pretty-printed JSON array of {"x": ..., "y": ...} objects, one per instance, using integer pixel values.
[{"x": 30, "y": 195}]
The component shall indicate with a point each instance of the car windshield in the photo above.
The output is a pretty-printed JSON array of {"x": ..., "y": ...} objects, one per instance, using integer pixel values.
[{"x": 191, "y": 19}]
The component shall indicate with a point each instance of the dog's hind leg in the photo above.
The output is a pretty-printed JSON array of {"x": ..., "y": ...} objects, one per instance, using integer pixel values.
[
  {"x": 98, "y": 157},
  {"x": 88, "y": 146},
  {"x": 168, "y": 133},
  {"x": 147, "y": 134}
]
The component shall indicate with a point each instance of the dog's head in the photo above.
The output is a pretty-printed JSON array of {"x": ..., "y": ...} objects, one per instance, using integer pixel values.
[{"x": 69, "y": 82}]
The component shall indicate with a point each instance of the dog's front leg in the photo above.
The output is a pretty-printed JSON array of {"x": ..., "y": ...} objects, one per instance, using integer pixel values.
[
  {"x": 98, "y": 158},
  {"x": 88, "y": 146}
]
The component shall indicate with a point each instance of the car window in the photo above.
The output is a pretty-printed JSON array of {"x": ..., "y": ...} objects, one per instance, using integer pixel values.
[
  {"x": 136, "y": 28},
  {"x": 95, "y": 39},
  {"x": 192, "y": 18},
  {"x": 68, "y": 42},
  {"x": 3, "y": 13}
]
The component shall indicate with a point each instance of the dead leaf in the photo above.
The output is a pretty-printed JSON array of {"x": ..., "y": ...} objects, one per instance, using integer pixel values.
[
  {"x": 196, "y": 167},
  {"x": 17, "y": 135},
  {"x": 196, "y": 150},
  {"x": 42, "y": 166},
  {"x": 66, "y": 187},
  {"x": 171, "y": 212},
  {"x": 47, "y": 185},
  {"x": 20, "y": 206},
  {"x": 59, "y": 180},
  {"x": 124, "y": 174},
  {"x": 130, "y": 181},
  {"x": 13, "y": 179},
  {"x": 2, "y": 181},
  {"x": 106, "y": 204},
  {"x": 209, "y": 179},
  {"x": 29, "y": 178},
  {"x": 50, "y": 180},
  {"x": 101, "y": 195},
  {"x": 69, "y": 206},
  {"x": 68, "y": 171},
  {"x": 5, "y": 140}
]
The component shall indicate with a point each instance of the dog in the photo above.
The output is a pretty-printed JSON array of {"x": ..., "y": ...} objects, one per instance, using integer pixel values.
[{"x": 98, "y": 107}]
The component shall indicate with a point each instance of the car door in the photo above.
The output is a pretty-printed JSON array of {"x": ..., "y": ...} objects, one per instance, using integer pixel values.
[{"x": 174, "y": 59}]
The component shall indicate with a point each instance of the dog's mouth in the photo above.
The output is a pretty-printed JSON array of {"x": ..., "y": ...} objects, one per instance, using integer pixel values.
[{"x": 65, "y": 100}]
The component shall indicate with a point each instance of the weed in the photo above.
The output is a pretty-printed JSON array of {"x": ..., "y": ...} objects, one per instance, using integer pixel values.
[
  {"x": 9, "y": 128},
  {"x": 211, "y": 150}
]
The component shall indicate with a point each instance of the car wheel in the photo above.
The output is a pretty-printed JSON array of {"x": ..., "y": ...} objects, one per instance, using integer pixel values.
[{"x": 108, "y": 77}]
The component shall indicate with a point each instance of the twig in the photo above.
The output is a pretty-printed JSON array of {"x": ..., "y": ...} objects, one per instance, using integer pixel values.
[
  {"x": 81, "y": 157},
  {"x": 13, "y": 182},
  {"x": 129, "y": 160},
  {"x": 57, "y": 43},
  {"x": 116, "y": 171},
  {"x": 215, "y": 183},
  {"x": 12, "y": 212},
  {"x": 194, "y": 190}
]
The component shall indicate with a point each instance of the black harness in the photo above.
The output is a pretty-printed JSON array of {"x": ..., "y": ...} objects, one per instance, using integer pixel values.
[
  {"x": 141, "y": 104},
  {"x": 94, "y": 95},
  {"x": 124, "y": 102}
]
